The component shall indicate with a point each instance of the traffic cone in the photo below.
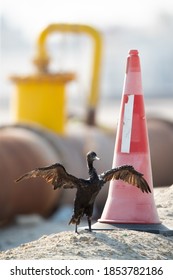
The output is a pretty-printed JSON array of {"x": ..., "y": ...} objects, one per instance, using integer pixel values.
[{"x": 126, "y": 205}]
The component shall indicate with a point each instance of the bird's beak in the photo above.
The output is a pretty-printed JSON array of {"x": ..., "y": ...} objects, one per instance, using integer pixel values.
[{"x": 97, "y": 158}]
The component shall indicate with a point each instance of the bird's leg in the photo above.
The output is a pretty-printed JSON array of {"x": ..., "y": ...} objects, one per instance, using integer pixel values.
[
  {"x": 89, "y": 224},
  {"x": 76, "y": 228}
]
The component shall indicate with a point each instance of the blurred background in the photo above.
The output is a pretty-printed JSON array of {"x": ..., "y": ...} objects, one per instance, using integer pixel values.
[{"x": 143, "y": 25}]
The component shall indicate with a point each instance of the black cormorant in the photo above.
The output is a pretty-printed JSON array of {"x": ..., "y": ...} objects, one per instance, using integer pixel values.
[{"x": 87, "y": 190}]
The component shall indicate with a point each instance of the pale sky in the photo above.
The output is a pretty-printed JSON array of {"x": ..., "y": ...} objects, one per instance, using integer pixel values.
[{"x": 33, "y": 15}]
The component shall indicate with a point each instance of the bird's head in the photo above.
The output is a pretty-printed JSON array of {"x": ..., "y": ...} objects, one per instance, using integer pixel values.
[{"x": 91, "y": 156}]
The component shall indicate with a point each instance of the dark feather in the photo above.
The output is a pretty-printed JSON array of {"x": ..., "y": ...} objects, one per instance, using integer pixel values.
[
  {"x": 87, "y": 190},
  {"x": 128, "y": 174},
  {"x": 54, "y": 174}
]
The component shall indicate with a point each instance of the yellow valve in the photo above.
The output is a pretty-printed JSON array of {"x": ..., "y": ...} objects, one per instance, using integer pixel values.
[
  {"x": 42, "y": 59},
  {"x": 40, "y": 98}
]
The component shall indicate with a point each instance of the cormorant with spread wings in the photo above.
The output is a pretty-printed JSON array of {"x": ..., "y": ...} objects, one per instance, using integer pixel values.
[{"x": 87, "y": 190}]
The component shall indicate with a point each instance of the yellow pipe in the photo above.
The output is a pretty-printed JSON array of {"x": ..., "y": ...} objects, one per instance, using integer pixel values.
[{"x": 42, "y": 58}]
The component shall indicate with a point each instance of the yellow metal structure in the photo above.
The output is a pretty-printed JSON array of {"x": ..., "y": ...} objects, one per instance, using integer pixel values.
[{"x": 40, "y": 98}]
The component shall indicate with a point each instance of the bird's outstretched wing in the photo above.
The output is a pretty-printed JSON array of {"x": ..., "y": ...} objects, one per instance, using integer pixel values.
[
  {"x": 54, "y": 174},
  {"x": 128, "y": 174}
]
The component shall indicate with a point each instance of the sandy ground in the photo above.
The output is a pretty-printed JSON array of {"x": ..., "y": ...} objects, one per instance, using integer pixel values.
[{"x": 51, "y": 239}]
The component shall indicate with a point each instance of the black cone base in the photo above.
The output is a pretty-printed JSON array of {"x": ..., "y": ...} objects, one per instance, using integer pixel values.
[{"x": 152, "y": 228}]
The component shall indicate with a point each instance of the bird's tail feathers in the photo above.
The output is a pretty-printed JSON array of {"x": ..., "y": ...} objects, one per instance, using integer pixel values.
[{"x": 75, "y": 220}]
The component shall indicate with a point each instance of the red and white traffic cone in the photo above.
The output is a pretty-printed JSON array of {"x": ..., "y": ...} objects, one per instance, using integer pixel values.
[{"x": 126, "y": 205}]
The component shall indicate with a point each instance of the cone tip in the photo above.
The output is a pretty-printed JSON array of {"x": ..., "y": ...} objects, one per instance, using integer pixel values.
[
  {"x": 133, "y": 63},
  {"x": 133, "y": 52}
]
